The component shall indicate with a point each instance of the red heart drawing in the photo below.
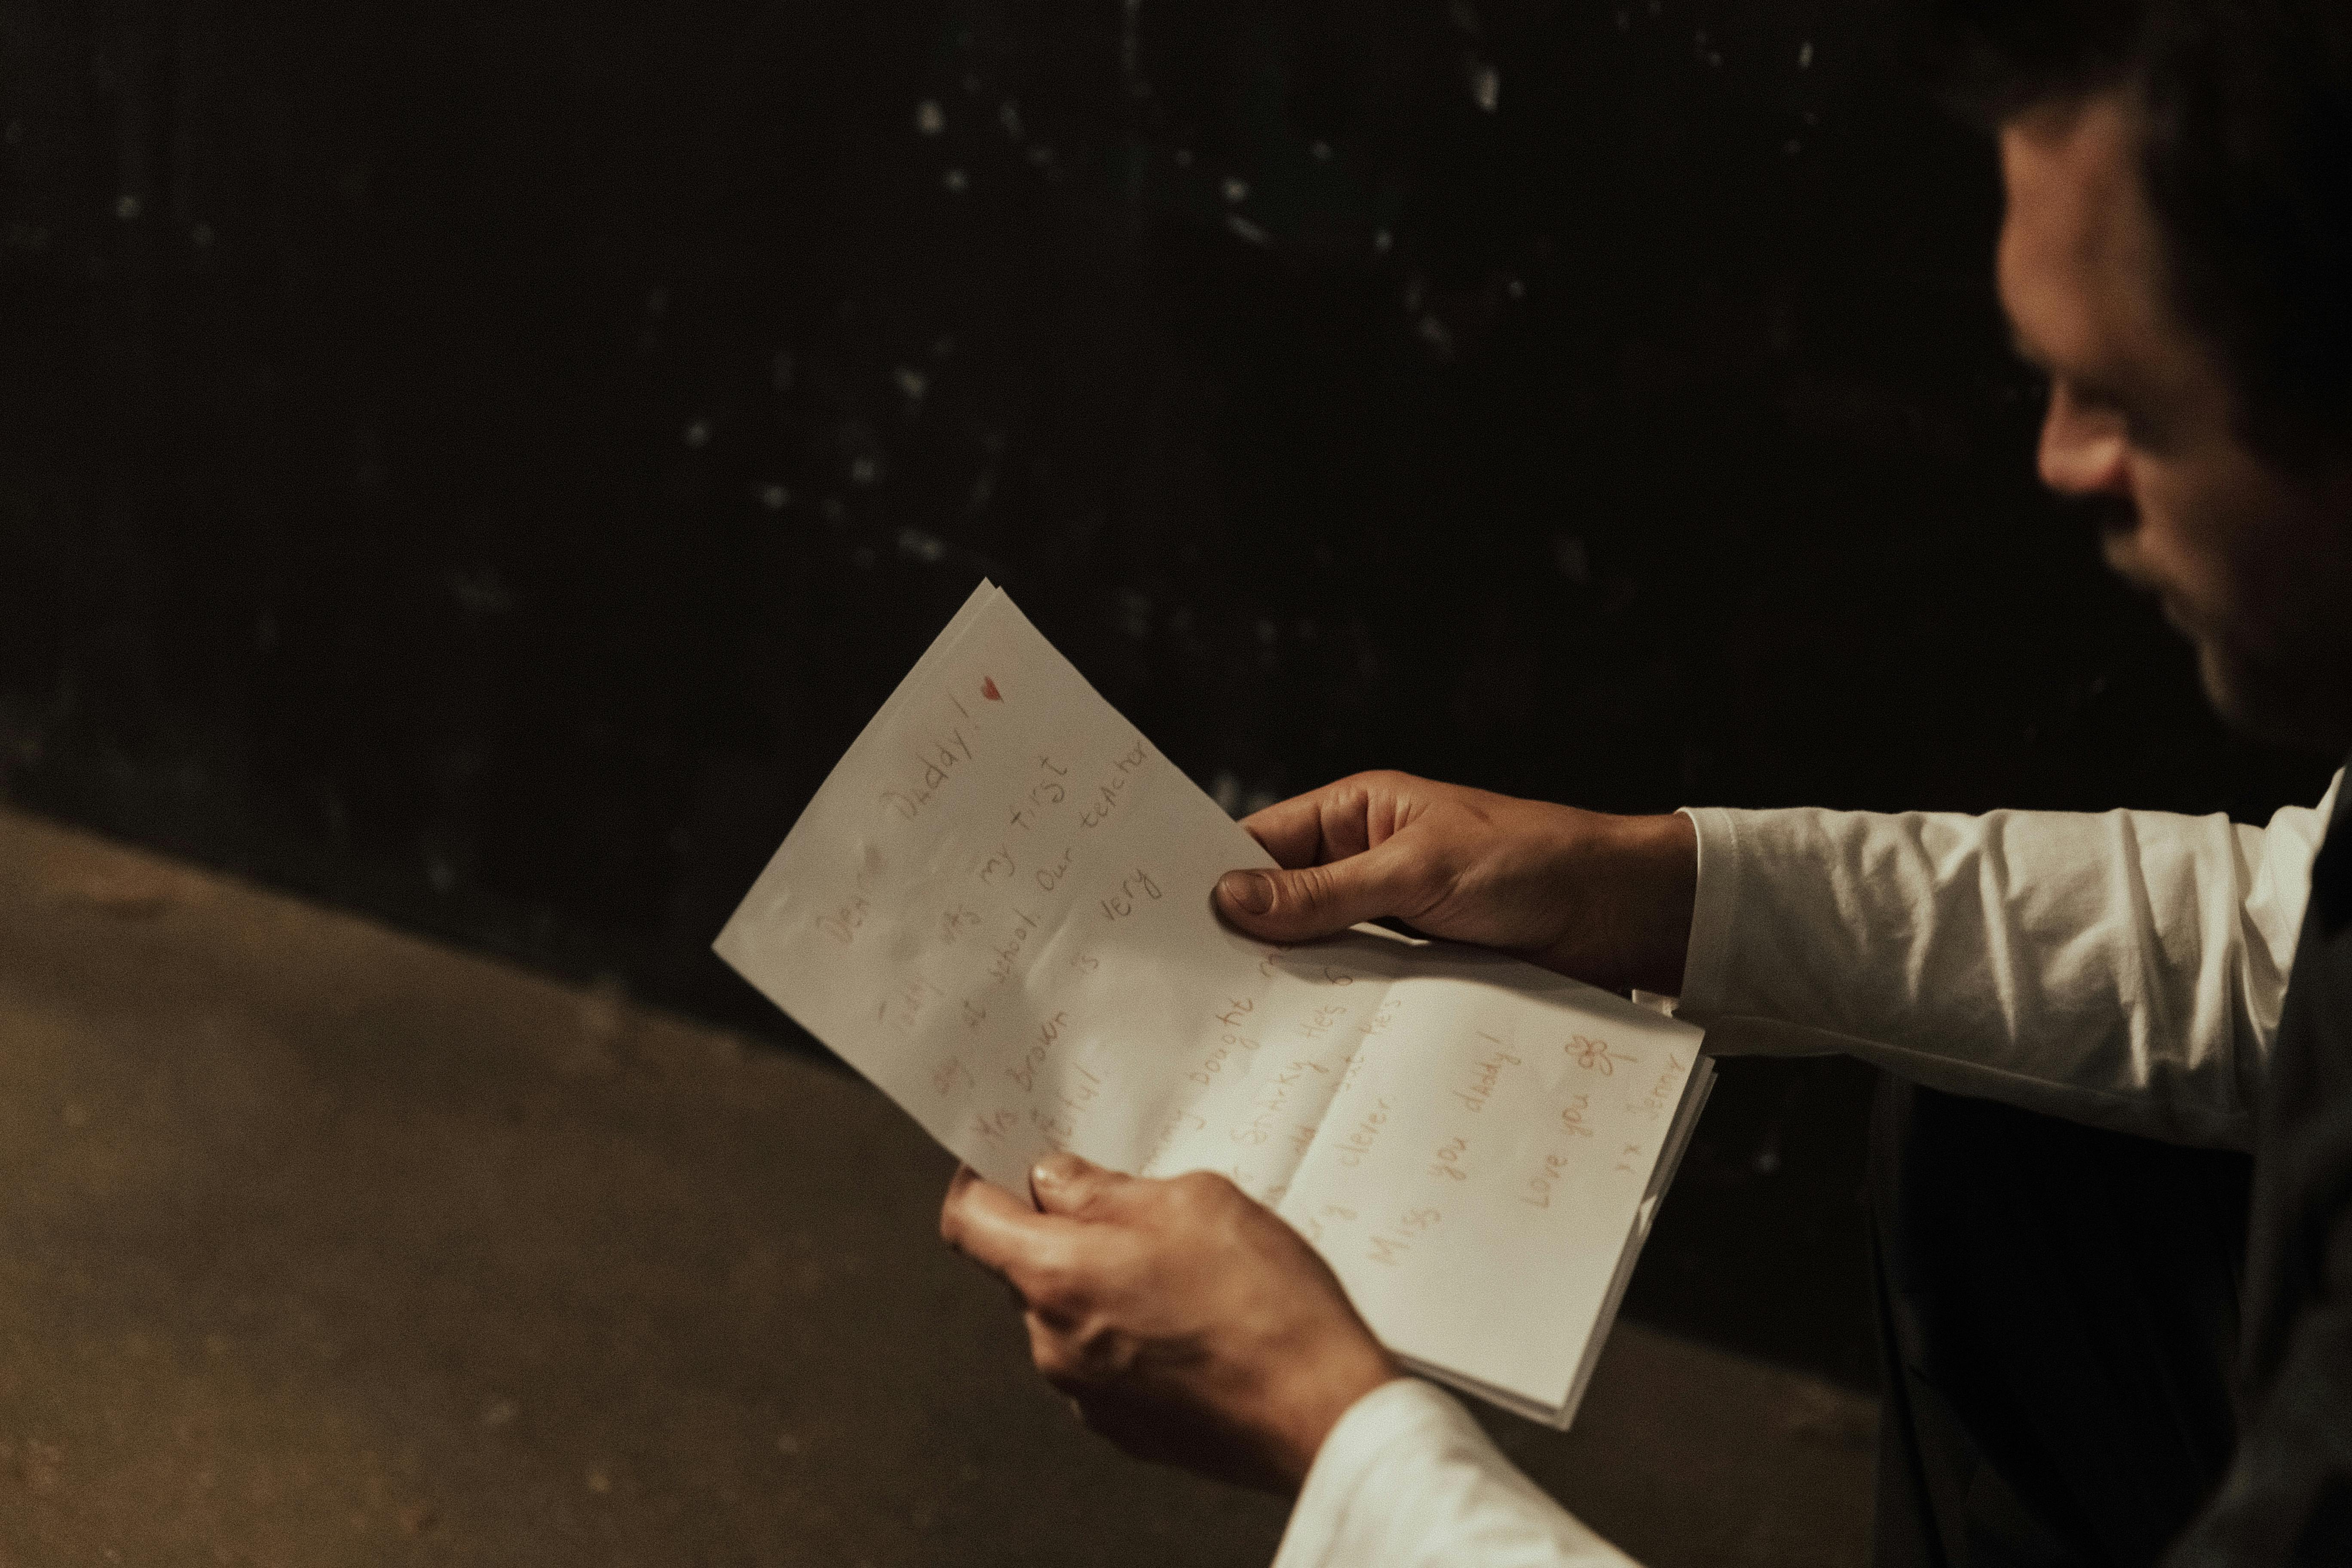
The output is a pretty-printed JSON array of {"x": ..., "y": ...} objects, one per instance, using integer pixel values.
[{"x": 988, "y": 690}]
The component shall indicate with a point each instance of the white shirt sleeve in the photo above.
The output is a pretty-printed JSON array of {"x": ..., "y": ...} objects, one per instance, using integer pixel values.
[
  {"x": 1407, "y": 1479},
  {"x": 2123, "y": 970}
]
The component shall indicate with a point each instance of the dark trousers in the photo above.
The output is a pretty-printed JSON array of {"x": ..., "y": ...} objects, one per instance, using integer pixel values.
[{"x": 2058, "y": 1311}]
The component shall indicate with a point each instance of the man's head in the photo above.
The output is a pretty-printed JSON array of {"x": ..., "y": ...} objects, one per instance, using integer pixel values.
[{"x": 2177, "y": 254}]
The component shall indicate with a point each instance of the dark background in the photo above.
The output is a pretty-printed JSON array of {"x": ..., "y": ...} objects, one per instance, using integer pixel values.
[{"x": 481, "y": 463}]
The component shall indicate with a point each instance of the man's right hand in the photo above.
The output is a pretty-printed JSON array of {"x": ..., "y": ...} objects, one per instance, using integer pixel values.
[{"x": 1606, "y": 900}]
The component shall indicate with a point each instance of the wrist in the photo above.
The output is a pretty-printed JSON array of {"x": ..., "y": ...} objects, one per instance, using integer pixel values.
[
  {"x": 1333, "y": 1392},
  {"x": 1624, "y": 887},
  {"x": 1665, "y": 852}
]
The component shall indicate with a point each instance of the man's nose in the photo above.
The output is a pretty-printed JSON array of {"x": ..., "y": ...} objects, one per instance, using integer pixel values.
[{"x": 2083, "y": 450}]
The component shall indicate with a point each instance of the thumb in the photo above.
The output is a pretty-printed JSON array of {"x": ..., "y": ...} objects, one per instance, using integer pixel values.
[
  {"x": 993, "y": 1227},
  {"x": 1315, "y": 901},
  {"x": 1077, "y": 1189}
]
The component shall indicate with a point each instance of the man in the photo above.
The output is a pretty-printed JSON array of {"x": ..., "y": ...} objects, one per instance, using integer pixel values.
[{"x": 2068, "y": 1305}]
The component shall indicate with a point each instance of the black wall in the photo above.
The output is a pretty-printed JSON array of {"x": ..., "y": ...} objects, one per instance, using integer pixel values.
[{"x": 481, "y": 463}]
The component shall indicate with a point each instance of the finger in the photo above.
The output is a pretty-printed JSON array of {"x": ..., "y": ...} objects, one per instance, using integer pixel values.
[
  {"x": 1327, "y": 823},
  {"x": 1316, "y": 900},
  {"x": 1000, "y": 1232},
  {"x": 1292, "y": 830},
  {"x": 1080, "y": 1189},
  {"x": 963, "y": 1178},
  {"x": 1050, "y": 1353}
]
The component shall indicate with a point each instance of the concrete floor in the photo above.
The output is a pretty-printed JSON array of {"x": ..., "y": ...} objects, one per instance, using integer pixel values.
[{"x": 322, "y": 1245}]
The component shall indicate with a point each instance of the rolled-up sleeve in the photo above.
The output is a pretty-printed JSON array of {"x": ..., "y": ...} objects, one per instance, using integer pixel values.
[
  {"x": 2123, "y": 970},
  {"x": 1406, "y": 1480}
]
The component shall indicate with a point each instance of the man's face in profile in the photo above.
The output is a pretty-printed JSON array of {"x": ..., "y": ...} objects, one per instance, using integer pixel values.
[{"x": 2253, "y": 563}]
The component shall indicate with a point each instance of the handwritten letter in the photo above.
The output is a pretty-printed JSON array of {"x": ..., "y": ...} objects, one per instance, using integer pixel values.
[{"x": 997, "y": 909}]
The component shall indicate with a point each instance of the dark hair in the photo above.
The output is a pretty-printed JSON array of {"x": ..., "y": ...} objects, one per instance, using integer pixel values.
[{"x": 2245, "y": 110}]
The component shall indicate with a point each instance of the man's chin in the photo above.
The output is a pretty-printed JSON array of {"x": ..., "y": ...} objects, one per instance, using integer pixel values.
[{"x": 2282, "y": 707}]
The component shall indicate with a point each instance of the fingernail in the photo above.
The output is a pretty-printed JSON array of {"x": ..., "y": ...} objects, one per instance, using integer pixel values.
[
  {"x": 1252, "y": 892},
  {"x": 1054, "y": 1170}
]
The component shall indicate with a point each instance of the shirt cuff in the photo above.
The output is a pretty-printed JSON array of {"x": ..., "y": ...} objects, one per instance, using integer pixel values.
[
  {"x": 1714, "y": 908},
  {"x": 1407, "y": 1479},
  {"x": 1390, "y": 1415}
]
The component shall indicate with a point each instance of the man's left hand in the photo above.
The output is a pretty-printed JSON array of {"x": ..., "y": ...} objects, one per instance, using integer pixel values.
[{"x": 1187, "y": 1323}]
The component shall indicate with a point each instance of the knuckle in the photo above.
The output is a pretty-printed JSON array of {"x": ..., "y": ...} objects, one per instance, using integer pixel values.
[
  {"x": 1091, "y": 1199},
  {"x": 1199, "y": 1193},
  {"x": 1051, "y": 1287},
  {"x": 1062, "y": 1282},
  {"x": 1076, "y": 1358}
]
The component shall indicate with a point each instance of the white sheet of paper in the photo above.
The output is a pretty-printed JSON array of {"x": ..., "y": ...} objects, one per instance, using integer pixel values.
[{"x": 997, "y": 909}]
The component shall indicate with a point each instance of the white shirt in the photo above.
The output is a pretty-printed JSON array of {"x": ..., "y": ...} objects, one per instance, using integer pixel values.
[{"x": 2123, "y": 970}]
